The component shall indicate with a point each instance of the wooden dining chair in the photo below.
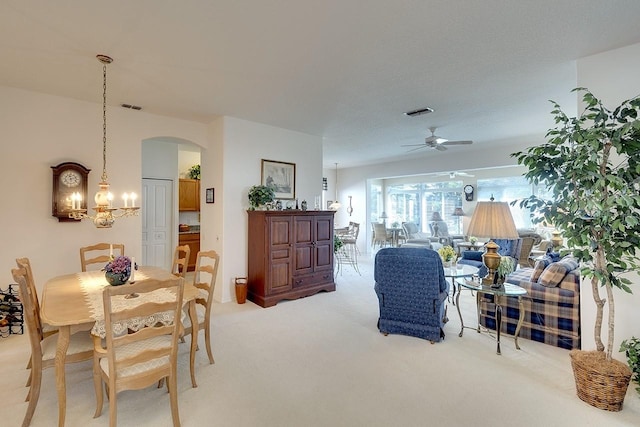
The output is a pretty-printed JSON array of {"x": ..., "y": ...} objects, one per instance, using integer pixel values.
[
  {"x": 135, "y": 360},
  {"x": 99, "y": 254},
  {"x": 205, "y": 280},
  {"x": 47, "y": 329},
  {"x": 180, "y": 260},
  {"x": 25, "y": 264},
  {"x": 43, "y": 349}
]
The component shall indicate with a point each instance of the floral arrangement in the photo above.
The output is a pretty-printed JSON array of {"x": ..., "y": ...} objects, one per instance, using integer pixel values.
[
  {"x": 473, "y": 240},
  {"x": 121, "y": 264},
  {"x": 447, "y": 253},
  {"x": 506, "y": 267}
]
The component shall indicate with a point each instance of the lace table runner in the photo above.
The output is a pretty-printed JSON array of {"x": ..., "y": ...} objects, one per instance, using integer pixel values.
[{"x": 92, "y": 284}]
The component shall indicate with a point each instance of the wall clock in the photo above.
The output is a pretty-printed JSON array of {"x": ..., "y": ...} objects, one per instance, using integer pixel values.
[
  {"x": 68, "y": 178},
  {"x": 468, "y": 193}
]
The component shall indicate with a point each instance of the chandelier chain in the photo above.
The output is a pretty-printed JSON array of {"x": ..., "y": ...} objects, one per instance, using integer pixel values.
[{"x": 104, "y": 123}]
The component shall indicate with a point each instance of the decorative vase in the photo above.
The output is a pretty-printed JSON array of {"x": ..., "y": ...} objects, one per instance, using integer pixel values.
[{"x": 117, "y": 279}]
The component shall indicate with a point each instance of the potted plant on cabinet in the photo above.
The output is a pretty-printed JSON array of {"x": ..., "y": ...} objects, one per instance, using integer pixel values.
[
  {"x": 260, "y": 195},
  {"x": 591, "y": 167}
]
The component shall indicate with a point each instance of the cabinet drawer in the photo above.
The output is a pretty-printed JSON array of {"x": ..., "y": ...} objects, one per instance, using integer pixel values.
[{"x": 312, "y": 279}]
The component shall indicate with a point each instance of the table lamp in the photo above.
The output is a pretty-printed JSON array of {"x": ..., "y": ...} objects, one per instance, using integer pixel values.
[
  {"x": 383, "y": 217},
  {"x": 492, "y": 220}
]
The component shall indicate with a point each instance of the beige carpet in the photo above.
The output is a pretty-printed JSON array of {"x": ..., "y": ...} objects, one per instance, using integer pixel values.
[{"x": 320, "y": 361}]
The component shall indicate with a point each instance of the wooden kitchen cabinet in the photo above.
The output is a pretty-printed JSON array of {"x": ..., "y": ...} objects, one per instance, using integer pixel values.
[
  {"x": 189, "y": 195},
  {"x": 193, "y": 240},
  {"x": 290, "y": 255}
]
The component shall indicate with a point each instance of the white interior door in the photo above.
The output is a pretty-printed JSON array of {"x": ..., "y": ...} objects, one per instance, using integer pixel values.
[{"x": 157, "y": 220}]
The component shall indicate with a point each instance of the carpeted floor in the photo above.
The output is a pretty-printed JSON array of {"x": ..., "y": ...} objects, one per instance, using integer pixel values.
[{"x": 320, "y": 361}]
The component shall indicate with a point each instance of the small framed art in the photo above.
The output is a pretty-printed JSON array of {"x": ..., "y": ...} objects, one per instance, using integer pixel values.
[{"x": 209, "y": 195}]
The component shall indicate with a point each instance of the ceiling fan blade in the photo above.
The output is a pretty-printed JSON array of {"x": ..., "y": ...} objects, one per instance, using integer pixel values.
[
  {"x": 417, "y": 148},
  {"x": 440, "y": 147},
  {"x": 457, "y": 143},
  {"x": 412, "y": 145}
]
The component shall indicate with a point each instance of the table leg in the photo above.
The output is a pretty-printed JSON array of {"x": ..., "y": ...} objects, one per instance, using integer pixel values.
[
  {"x": 459, "y": 313},
  {"x": 520, "y": 320},
  {"x": 193, "y": 316},
  {"x": 453, "y": 284},
  {"x": 64, "y": 335},
  {"x": 478, "y": 309},
  {"x": 498, "y": 324}
]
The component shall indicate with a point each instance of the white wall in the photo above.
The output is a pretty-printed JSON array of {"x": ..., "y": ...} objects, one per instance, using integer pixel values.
[
  {"x": 612, "y": 77},
  {"x": 39, "y": 131},
  {"x": 241, "y": 145}
]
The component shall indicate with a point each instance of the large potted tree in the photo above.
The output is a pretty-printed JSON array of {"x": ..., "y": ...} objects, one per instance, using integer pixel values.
[{"x": 590, "y": 165}]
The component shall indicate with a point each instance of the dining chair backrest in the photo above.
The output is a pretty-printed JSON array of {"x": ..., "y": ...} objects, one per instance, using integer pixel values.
[
  {"x": 24, "y": 263},
  {"x": 204, "y": 279},
  {"x": 380, "y": 230},
  {"x": 43, "y": 348},
  {"x": 207, "y": 262},
  {"x": 180, "y": 260},
  {"x": 99, "y": 254},
  {"x": 29, "y": 311},
  {"x": 143, "y": 357}
]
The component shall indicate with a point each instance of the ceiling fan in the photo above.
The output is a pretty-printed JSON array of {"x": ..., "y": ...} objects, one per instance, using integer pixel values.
[{"x": 436, "y": 142}]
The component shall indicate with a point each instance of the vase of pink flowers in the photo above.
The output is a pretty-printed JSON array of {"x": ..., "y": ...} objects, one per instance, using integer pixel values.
[{"x": 118, "y": 270}]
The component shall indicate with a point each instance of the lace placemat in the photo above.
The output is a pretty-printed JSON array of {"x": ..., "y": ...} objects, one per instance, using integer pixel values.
[{"x": 92, "y": 284}]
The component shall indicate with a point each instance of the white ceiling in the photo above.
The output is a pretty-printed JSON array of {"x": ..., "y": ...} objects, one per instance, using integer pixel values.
[{"x": 341, "y": 69}]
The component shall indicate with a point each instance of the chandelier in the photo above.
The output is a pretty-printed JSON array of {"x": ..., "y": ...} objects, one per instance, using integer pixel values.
[{"x": 105, "y": 214}]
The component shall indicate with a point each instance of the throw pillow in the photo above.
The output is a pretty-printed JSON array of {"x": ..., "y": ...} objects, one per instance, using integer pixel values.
[
  {"x": 539, "y": 267},
  {"x": 554, "y": 273}
]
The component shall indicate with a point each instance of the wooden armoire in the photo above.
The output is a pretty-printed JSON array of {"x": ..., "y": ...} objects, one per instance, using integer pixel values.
[{"x": 290, "y": 255}]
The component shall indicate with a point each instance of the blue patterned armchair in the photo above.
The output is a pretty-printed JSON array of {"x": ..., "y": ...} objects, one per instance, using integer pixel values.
[{"x": 411, "y": 290}]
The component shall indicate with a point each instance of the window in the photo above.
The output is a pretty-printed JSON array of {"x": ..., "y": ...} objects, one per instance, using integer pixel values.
[
  {"x": 418, "y": 201},
  {"x": 507, "y": 190}
]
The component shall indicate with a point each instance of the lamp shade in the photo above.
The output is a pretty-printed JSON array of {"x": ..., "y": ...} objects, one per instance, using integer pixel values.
[
  {"x": 458, "y": 212},
  {"x": 383, "y": 215},
  {"x": 492, "y": 220}
]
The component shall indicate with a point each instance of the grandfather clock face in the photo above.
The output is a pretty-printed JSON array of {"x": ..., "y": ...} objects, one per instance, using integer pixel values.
[{"x": 68, "y": 178}]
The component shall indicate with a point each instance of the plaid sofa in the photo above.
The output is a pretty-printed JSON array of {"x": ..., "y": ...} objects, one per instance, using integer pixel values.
[{"x": 552, "y": 314}]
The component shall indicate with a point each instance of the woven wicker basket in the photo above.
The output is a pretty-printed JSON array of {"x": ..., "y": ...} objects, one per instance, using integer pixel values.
[{"x": 599, "y": 382}]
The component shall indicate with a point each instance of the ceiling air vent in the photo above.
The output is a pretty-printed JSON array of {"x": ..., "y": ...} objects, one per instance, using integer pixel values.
[
  {"x": 131, "y": 107},
  {"x": 419, "y": 112}
]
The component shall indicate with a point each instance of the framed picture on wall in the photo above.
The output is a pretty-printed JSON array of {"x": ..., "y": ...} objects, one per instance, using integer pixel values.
[
  {"x": 210, "y": 195},
  {"x": 281, "y": 176}
]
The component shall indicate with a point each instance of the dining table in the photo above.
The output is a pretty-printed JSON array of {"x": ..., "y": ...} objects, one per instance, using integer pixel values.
[{"x": 73, "y": 303}]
